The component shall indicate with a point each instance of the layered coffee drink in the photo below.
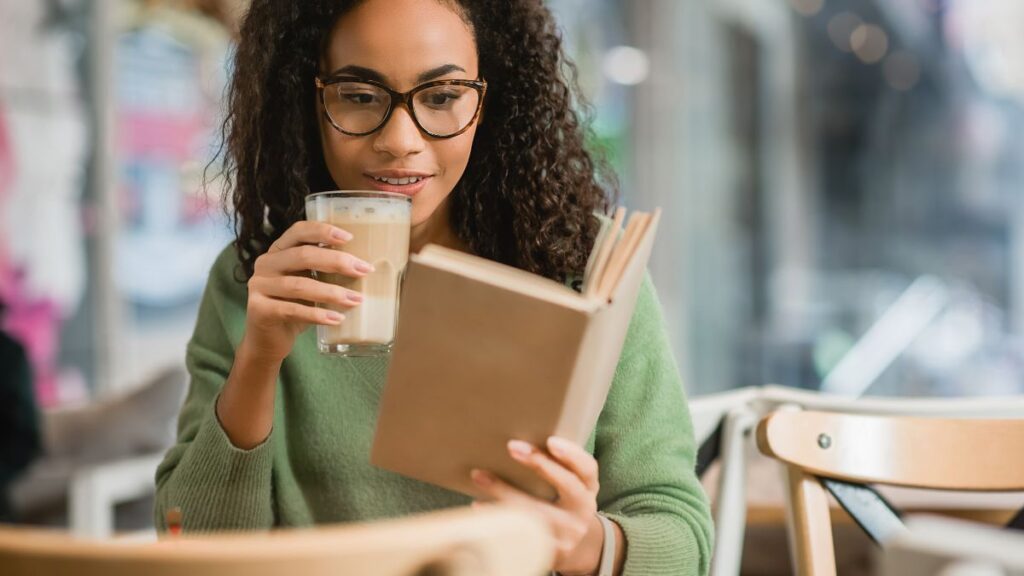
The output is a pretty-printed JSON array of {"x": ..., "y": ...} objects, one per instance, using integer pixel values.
[{"x": 379, "y": 223}]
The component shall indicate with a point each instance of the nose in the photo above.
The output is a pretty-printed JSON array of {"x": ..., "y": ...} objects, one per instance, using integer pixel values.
[{"x": 399, "y": 137}]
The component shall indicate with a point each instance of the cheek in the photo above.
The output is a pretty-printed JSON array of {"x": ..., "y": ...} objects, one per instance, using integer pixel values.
[
  {"x": 342, "y": 154},
  {"x": 452, "y": 156},
  {"x": 455, "y": 155}
]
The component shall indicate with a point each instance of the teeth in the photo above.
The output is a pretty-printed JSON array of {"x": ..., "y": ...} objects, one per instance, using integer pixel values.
[{"x": 398, "y": 181}]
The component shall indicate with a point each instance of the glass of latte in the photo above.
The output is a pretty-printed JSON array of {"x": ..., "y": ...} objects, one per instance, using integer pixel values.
[{"x": 379, "y": 223}]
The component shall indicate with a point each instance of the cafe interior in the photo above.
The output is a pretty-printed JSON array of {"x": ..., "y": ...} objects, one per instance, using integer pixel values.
[{"x": 839, "y": 265}]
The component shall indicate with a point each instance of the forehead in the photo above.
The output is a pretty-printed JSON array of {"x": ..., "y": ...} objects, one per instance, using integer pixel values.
[{"x": 401, "y": 39}]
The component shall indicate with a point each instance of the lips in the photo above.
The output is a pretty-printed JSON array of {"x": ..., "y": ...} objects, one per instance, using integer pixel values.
[
  {"x": 406, "y": 182},
  {"x": 398, "y": 181}
]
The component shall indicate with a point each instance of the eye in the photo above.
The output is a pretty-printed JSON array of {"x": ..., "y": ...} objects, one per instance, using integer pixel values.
[
  {"x": 358, "y": 94},
  {"x": 440, "y": 100},
  {"x": 361, "y": 98}
]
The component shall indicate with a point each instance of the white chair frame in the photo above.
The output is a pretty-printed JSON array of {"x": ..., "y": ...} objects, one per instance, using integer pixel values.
[
  {"x": 95, "y": 491},
  {"x": 934, "y": 545}
]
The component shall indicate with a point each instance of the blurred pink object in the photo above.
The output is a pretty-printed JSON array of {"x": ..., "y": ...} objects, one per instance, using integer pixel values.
[
  {"x": 166, "y": 136},
  {"x": 32, "y": 322},
  {"x": 6, "y": 177},
  {"x": 6, "y": 157}
]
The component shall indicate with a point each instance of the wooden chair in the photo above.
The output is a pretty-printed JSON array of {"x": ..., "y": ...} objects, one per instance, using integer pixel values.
[
  {"x": 840, "y": 449},
  {"x": 724, "y": 425},
  {"x": 497, "y": 542}
]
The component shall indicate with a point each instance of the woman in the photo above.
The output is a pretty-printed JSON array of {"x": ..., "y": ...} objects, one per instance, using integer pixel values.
[{"x": 272, "y": 433}]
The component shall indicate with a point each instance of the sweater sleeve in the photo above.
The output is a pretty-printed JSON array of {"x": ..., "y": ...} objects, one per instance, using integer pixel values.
[
  {"x": 215, "y": 485},
  {"x": 646, "y": 453}
]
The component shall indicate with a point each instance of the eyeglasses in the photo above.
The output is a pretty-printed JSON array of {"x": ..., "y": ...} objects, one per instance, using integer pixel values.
[{"x": 440, "y": 109}]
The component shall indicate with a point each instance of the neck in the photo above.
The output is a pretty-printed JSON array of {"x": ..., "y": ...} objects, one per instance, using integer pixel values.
[{"x": 436, "y": 229}]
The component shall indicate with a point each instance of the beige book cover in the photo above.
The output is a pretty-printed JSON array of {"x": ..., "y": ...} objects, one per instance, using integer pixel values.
[{"x": 485, "y": 353}]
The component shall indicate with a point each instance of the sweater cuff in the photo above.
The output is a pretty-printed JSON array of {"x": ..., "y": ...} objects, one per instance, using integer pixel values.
[
  {"x": 222, "y": 486},
  {"x": 656, "y": 545}
]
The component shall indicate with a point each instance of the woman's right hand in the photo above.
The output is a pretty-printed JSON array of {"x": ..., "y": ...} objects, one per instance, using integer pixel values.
[{"x": 282, "y": 295}]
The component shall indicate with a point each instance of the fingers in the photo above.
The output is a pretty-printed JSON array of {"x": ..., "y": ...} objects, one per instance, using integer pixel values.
[
  {"x": 497, "y": 488},
  {"x": 306, "y": 245},
  {"x": 304, "y": 289},
  {"x": 572, "y": 491},
  {"x": 575, "y": 458},
  {"x": 262, "y": 306},
  {"x": 501, "y": 492},
  {"x": 309, "y": 232},
  {"x": 567, "y": 527},
  {"x": 309, "y": 257}
]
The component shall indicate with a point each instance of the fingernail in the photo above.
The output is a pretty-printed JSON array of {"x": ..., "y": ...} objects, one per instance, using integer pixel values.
[
  {"x": 363, "y": 267},
  {"x": 355, "y": 297},
  {"x": 558, "y": 446},
  {"x": 519, "y": 449},
  {"x": 333, "y": 316},
  {"x": 340, "y": 234},
  {"x": 480, "y": 477}
]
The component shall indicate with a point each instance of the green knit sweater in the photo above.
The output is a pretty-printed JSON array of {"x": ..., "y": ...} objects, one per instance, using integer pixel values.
[{"x": 314, "y": 468}]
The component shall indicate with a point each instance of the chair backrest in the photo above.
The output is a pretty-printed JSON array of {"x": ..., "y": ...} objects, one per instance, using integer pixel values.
[
  {"x": 497, "y": 541},
  {"x": 933, "y": 453}
]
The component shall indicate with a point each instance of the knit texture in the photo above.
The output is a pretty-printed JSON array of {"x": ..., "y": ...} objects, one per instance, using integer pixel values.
[{"x": 314, "y": 467}]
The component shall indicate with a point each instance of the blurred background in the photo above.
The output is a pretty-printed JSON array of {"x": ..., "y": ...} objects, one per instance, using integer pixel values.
[{"x": 841, "y": 182}]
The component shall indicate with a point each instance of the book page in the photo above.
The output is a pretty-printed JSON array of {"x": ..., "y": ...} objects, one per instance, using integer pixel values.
[
  {"x": 601, "y": 252},
  {"x": 498, "y": 274},
  {"x": 592, "y": 260}
]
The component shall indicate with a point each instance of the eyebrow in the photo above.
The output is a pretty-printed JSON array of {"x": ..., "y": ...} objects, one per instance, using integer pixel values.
[{"x": 371, "y": 74}]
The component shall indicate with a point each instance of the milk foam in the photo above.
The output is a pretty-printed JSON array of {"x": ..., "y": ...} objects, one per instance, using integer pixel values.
[{"x": 358, "y": 210}]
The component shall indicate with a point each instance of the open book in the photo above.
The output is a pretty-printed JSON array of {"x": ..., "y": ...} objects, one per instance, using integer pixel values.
[{"x": 485, "y": 353}]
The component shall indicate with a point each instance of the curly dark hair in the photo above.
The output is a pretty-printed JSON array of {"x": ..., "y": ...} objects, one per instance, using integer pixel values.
[{"x": 530, "y": 190}]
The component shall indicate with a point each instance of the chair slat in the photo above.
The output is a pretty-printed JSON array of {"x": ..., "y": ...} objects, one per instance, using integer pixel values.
[
  {"x": 497, "y": 542},
  {"x": 932, "y": 453}
]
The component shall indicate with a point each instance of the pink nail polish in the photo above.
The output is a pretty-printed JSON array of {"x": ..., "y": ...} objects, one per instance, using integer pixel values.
[
  {"x": 339, "y": 234},
  {"x": 519, "y": 449},
  {"x": 558, "y": 446},
  {"x": 480, "y": 477}
]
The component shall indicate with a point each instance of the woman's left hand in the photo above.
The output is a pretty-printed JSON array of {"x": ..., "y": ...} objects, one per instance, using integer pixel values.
[{"x": 573, "y": 516}]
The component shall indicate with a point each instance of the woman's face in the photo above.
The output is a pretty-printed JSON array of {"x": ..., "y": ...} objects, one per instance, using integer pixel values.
[{"x": 401, "y": 43}]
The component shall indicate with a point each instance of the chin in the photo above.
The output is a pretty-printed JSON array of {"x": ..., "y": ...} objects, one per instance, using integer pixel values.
[
  {"x": 420, "y": 215},
  {"x": 423, "y": 208}
]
